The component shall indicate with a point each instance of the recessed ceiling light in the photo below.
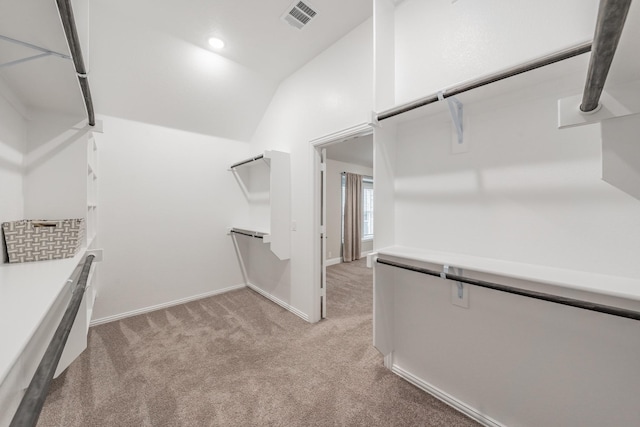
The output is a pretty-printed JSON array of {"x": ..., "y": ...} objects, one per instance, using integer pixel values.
[{"x": 216, "y": 43}]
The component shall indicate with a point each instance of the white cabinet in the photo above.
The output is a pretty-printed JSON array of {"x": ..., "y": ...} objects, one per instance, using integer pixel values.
[
  {"x": 266, "y": 183},
  {"x": 61, "y": 183}
]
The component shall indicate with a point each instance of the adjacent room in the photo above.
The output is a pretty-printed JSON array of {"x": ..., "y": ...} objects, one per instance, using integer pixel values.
[{"x": 319, "y": 212}]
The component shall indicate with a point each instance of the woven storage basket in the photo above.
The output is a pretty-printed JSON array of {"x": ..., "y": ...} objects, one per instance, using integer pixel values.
[{"x": 37, "y": 240}]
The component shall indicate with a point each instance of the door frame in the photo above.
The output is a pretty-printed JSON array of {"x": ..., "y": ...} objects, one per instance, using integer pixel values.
[{"x": 319, "y": 254}]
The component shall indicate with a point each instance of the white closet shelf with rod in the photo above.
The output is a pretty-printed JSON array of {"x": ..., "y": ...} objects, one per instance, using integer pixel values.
[
  {"x": 265, "y": 180},
  {"x": 622, "y": 290},
  {"x": 609, "y": 26},
  {"x": 251, "y": 233}
]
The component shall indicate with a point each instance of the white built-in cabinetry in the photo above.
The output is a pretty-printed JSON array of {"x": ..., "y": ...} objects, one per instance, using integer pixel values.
[
  {"x": 266, "y": 183},
  {"x": 92, "y": 190},
  {"x": 520, "y": 207},
  {"x": 35, "y": 295}
]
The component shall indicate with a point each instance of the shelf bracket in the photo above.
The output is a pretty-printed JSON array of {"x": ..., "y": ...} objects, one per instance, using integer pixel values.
[
  {"x": 44, "y": 52},
  {"x": 459, "y": 272},
  {"x": 455, "y": 110}
]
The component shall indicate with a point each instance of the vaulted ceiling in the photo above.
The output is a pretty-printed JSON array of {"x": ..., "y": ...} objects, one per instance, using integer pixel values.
[{"x": 149, "y": 61}]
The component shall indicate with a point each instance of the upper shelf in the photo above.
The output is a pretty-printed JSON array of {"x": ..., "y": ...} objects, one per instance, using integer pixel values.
[
  {"x": 473, "y": 91},
  {"x": 247, "y": 161},
  {"x": 609, "y": 285},
  {"x": 48, "y": 83}
]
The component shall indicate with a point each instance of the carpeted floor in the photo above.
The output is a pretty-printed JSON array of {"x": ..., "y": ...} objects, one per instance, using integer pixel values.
[{"x": 238, "y": 359}]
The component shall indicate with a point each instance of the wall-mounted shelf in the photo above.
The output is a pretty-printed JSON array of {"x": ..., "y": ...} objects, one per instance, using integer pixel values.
[
  {"x": 266, "y": 182},
  {"x": 244, "y": 231}
]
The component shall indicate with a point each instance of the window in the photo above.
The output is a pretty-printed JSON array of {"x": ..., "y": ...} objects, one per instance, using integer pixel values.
[{"x": 367, "y": 207}]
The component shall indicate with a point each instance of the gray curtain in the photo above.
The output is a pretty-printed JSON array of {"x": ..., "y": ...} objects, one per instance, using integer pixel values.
[{"x": 352, "y": 218}]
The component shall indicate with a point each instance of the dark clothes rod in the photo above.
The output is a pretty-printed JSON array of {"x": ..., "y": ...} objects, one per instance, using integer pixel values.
[
  {"x": 253, "y": 159},
  {"x": 585, "y": 305},
  {"x": 501, "y": 75},
  {"x": 255, "y": 234},
  {"x": 611, "y": 17},
  {"x": 363, "y": 176},
  {"x": 70, "y": 31},
  {"x": 33, "y": 400}
]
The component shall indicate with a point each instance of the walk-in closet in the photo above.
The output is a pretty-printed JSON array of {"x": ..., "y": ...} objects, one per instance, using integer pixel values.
[{"x": 319, "y": 212}]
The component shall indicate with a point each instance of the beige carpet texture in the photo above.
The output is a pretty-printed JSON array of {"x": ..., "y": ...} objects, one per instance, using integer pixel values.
[{"x": 238, "y": 359}]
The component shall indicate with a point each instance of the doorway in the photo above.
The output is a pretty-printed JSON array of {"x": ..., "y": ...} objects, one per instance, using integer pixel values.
[{"x": 350, "y": 151}]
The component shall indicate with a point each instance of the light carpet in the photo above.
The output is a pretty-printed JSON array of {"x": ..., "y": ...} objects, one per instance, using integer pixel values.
[{"x": 237, "y": 359}]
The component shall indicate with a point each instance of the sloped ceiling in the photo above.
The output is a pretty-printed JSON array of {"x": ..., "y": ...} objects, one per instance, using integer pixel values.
[{"x": 149, "y": 60}]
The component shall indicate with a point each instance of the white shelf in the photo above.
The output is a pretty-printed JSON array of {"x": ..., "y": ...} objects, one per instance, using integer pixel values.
[
  {"x": 266, "y": 182},
  {"x": 27, "y": 294},
  {"x": 252, "y": 232},
  {"x": 609, "y": 285}
]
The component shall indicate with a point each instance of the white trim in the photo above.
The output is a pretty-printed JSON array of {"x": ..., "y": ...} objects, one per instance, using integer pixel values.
[
  {"x": 163, "y": 305},
  {"x": 365, "y": 253},
  {"x": 472, "y": 413},
  {"x": 388, "y": 361},
  {"x": 278, "y": 301},
  {"x": 361, "y": 129},
  {"x": 333, "y": 138},
  {"x": 333, "y": 261}
]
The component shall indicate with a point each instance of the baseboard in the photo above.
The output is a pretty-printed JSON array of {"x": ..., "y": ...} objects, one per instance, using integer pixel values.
[
  {"x": 279, "y": 302},
  {"x": 333, "y": 261},
  {"x": 163, "y": 305},
  {"x": 446, "y": 398}
]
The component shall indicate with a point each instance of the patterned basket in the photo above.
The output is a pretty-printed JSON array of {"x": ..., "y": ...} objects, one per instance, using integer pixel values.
[{"x": 37, "y": 240}]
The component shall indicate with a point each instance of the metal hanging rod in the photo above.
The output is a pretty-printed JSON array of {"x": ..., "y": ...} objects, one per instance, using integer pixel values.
[
  {"x": 585, "y": 305},
  {"x": 33, "y": 400},
  {"x": 253, "y": 159},
  {"x": 611, "y": 17},
  {"x": 501, "y": 75},
  {"x": 363, "y": 176},
  {"x": 256, "y": 234},
  {"x": 70, "y": 31}
]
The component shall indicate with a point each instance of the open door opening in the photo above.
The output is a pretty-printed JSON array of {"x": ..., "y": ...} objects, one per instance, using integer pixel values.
[{"x": 336, "y": 159}]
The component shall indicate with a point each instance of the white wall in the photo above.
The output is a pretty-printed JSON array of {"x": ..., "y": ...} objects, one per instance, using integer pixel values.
[
  {"x": 440, "y": 43},
  {"x": 334, "y": 205},
  {"x": 13, "y": 145},
  {"x": 330, "y": 93},
  {"x": 166, "y": 198},
  {"x": 525, "y": 192},
  {"x": 621, "y": 153},
  {"x": 56, "y": 166}
]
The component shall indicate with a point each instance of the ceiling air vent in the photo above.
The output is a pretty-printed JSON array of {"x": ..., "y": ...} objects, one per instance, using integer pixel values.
[{"x": 299, "y": 14}]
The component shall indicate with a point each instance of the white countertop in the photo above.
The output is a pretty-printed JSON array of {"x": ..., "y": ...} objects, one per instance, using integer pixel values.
[
  {"x": 611, "y": 285},
  {"x": 27, "y": 292}
]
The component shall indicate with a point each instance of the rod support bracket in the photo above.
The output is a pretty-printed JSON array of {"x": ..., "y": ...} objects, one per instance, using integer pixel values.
[
  {"x": 460, "y": 272},
  {"x": 456, "y": 111},
  {"x": 445, "y": 271}
]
